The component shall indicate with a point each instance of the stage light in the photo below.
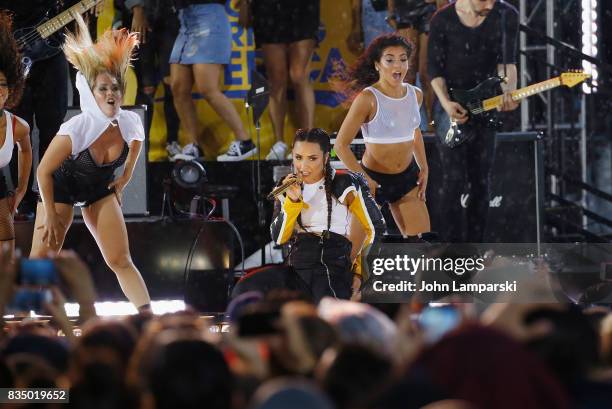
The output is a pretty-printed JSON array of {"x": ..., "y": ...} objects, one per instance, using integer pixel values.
[
  {"x": 189, "y": 174},
  {"x": 122, "y": 308},
  {"x": 589, "y": 41}
]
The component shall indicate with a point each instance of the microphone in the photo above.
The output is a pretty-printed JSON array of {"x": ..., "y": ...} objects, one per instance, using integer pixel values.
[{"x": 279, "y": 190}]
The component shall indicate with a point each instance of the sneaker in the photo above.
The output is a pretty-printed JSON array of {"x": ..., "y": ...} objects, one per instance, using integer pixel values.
[
  {"x": 173, "y": 149},
  {"x": 278, "y": 151},
  {"x": 238, "y": 150},
  {"x": 190, "y": 151}
]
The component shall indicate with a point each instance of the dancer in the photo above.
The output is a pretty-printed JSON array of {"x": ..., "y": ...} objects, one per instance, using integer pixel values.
[
  {"x": 13, "y": 130},
  {"x": 286, "y": 32},
  {"x": 79, "y": 164},
  {"x": 202, "y": 47},
  {"x": 387, "y": 110},
  {"x": 316, "y": 216}
]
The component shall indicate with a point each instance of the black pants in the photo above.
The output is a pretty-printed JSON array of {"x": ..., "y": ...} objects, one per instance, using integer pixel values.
[
  {"x": 151, "y": 64},
  {"x": 466, "y": 169},
  {"x": 44, "y": 102},
  {"x": 309, "y": 258},
  {"x": 45, "y": 98}
]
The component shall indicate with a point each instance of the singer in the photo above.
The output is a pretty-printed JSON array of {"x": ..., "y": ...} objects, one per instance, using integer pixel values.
[{"x": 316, "y": 216}]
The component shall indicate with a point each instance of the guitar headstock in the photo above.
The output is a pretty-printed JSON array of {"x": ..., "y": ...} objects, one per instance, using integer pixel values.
[{"x": 573, "y": 78}]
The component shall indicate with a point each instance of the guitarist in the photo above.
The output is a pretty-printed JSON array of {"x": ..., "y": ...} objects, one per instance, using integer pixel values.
[
  {"x": 45, "y": 96},
  {"x": 470, "y": 41}
]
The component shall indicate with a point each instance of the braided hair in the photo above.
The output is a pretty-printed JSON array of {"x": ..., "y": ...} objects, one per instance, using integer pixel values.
[
  {"x": 321, "y": 138},
  {"x": 349, "y": 82},
  {"x": 10, "y": 61}
]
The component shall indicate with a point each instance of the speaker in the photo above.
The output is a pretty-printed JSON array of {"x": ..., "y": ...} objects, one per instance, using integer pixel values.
[
  {"x": 517, "y": 187},
  {"x": 516, "y": 191},
  {"x": 135, "y": 193}
]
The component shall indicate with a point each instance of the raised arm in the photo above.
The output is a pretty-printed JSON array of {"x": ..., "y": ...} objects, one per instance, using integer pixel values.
[{"x": 286, "y": 212}]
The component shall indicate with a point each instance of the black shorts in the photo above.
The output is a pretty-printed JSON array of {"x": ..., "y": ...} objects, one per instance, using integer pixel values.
[
  {"x": 286, "y": 21},
  {"x": 417, "y": 18},
  {"x": 394, "y": 186},
  {"x": 67, "y": 192}
]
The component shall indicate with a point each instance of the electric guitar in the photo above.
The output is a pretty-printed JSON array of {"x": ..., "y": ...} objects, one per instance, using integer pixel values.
[
  {"x": 38, "y": 43},
  {"x": 482, "y": 109}
]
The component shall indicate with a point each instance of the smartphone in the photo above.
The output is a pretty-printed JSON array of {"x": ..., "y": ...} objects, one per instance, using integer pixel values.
[
  {"x": 437, "y": 321},
  {"x": 28, "y": 299},
  {"x": 252, "y": 324},
  {"x": 38, "y": 271}
]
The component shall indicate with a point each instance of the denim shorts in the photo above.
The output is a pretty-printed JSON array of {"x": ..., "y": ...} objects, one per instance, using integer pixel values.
[{"x": 204, "y": 36}]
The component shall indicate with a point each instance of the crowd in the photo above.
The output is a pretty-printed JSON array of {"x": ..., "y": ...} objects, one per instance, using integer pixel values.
[{"x": 282, "y": 351}]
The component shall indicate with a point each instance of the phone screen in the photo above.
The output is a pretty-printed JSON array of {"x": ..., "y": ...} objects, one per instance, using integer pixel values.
[
  {"x": 40, "y": 271},
  {"x": 437, "y": 321}
]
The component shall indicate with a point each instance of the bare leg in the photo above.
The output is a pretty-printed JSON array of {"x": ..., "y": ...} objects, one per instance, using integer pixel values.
[
  {"x": 275, "y": 59},
  {"x": 428, "y": 93},
  {"x": 410, "y": 214},
  {"x": 181, "y": 82},
  {"x": 207, "y": 81},
  {"x": 105, "y": 222},
  {"x": 300, "y": 54},
  {"x": 413, "y": 64},
  {"x": 7, "y": 229},
  {"x": 40, "y": 249}
]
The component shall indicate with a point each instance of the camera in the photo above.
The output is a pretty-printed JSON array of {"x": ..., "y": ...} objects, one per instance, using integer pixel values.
[{"x": 258, "y": 323}]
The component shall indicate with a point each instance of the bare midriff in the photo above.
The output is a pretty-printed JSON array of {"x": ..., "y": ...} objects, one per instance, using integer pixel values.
[{"x": 388, "y": 157}]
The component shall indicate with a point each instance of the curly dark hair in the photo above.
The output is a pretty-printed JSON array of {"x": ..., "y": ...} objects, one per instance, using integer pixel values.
[
  {"x": 352, "y": 80},
  {"x": 10, "y": 60},
  {"x": 320, "y": 137}
]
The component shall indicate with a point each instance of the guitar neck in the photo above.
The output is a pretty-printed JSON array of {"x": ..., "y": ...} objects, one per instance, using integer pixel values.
[
  {"x": 58, "y": 22},
  {"x": 517, "y": 95}
]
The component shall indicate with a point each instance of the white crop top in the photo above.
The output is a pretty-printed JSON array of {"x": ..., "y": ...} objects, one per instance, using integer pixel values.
[
  {"x": 314, "y": 215},
  {"x": 395, "y": 120},
  {"x": 84, "y": 128},
  {"x": 6, "y": 151}
]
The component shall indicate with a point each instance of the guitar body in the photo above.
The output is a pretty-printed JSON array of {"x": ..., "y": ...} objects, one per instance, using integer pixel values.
[
  {"x": 452, "y": 134},
  {"x": 35, "y": 48}
]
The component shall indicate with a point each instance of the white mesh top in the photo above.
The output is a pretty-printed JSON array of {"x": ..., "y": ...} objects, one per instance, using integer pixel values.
[{"x": 395, "y": 120}]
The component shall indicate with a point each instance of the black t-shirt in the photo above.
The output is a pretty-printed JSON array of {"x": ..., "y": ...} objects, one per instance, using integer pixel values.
[{"x": 465, "y": 56}]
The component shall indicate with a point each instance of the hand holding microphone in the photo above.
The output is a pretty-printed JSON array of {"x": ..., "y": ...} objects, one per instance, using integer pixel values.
[{"x": 291, "y": 186}]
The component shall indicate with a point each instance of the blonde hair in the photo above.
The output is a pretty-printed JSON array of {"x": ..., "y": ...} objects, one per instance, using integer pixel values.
[{"x": 111, "y": 53}]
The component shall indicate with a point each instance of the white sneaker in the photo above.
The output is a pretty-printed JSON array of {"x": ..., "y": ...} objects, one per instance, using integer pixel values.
[
  {"x": 173, "y": 149},
  {"x": 238, "y": 150},
  {"x": 278, "y": 151},
  {"x": 189, "y": 152},
  {"x": 191, "y": 149}
]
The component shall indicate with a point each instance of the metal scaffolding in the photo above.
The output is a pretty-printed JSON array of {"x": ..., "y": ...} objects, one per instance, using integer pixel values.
[{"x": 566, "y": 134}]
